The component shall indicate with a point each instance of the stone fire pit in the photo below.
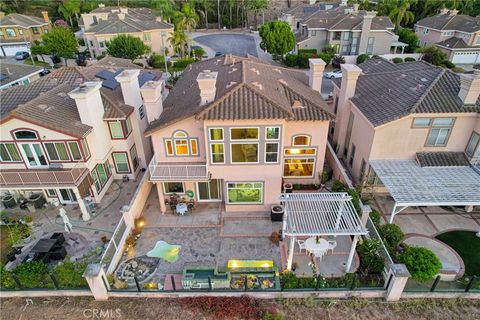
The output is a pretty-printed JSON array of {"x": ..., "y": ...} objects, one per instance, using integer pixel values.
[{"x": 142, "y": 267}]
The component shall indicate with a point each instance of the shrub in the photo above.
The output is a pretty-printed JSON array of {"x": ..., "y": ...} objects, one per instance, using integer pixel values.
[
  {"x": 156, "y": 61},
  {"x": 330, "y": 49},
  {"x": 339, "y": 186},
  {"x": 275, "y": 237},
  {"x": 303, "y": 60},
  {"x": 198, "y": 52},
  {"x": 308, "y": 51},
  {"x": 458, "y": 70},
  {"x": 337, "y": 61},
  {"x": 370, "y": 259},
  {"x": 375, "y": 216},
  {"x": 449, "y": 64},
  {"x": 183, "y": 63},
  {"x": 362, "y": 58},
  {"x": 6, "y": 279},
  {"x": 397, "y": 60},
  {"x": 290, "y": 60},
  {"x": 33, "y": 275},
  {"x": 391, "y": 235},
  {"x": 422, "y": 263},
  {"x": 433, "y": 55},
  {"x": 409, "y": 59},
  {"x": 291, "y": 281},
  {"x": 325, "y": 57},
  {"x": 70, "y": 274}
]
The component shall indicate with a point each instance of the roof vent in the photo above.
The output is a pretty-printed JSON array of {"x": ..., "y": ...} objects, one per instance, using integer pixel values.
[
  {"x": 62, "y": 94},
  {"x": 424, "y": 79},
  {"x": 255, "y": 70},
  {"x": 258, "y": 85},
  {"x": 297, "y": 105}
]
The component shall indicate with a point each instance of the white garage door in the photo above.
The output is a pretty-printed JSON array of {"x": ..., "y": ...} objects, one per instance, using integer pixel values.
[
  {"x": 466, "y": 57},
  {"x": 12, "y": 49}
]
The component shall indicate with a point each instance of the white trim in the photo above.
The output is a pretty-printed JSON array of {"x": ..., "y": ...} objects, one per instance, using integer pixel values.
[
  {"x": 279, "y": 133},
  {"x": 301, "y": 145},
  {"x": 211, "y": 153},
  {"x": 241, "y": 203},
  {"x": 278, "y": 151},
  {"x": 219, "y": 185},
  {"x": 299, "y": 158},
  {"x": 216, "y": 128},
  {"x": 245, "y": 127},
  {"x": 165, "y": 189},
  {"x": 244, "y": 142}
]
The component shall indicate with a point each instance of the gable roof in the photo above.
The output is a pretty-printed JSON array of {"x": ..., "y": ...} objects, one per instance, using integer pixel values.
[
  {"x": 457, "y": 22},
  {"x": 245, "y": 89},
  {"x": 386, "y": 91},
  {"x": 16, "y": 19},
  {"x": 303, "y": 11},
  {"x": 12, "y": 72},
  {"x": 455, "y": 43},
  {"x": 341, "y": 19},
  {"x": 46, "y": 101}
]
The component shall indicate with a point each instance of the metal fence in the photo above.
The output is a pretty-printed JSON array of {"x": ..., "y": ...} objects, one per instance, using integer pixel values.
[
  {"x": 39, "y": 280},
  {"x": 463, "y": 284}
]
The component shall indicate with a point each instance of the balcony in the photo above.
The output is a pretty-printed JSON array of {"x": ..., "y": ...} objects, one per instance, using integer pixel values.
[
  {"x": 43, "y": 177},
  {"x": 168, "y": 171}
]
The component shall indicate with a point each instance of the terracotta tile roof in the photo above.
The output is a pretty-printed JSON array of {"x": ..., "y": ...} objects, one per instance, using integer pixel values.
[
  {"x": 442, "y": 159},
  {"x": 12, "y": 72},
  {"x": 340, "y": 19},
  {"x": 16, "y": 19},
  {"x": 455, "y": 43},
  {"x": 303, "y": 11},
  {"x": 457, "y": 22},
  {"x": 245, "y": 89},
  {"x": 386, "y": 91}
]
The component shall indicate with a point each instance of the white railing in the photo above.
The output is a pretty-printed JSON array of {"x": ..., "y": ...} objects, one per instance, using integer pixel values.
[{"x": 164, "y": 171}]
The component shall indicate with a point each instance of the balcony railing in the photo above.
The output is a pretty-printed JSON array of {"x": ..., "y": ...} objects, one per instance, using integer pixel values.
[
  {"x": 43, "y": 177},
  {"x": 166, "y": 171}
]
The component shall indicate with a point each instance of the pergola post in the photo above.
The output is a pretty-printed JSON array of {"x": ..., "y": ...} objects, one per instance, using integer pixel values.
[
  {"x": 291, "y": 247},
  {"x": 393, "y": 213},
  {"x": 351, "y": 254}
]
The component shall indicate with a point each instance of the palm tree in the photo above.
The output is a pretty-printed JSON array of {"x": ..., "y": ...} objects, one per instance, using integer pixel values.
[
  {"x": 401, "y": 13},
  {"x": 206, "y": 7},
  {"x": 69, "y": 8},
  {"x": 188, "y": 18},
  {"x": 166, "y": 8},
  {"x": 178, "y": 39},
  {"x": 257, "y": 6}
]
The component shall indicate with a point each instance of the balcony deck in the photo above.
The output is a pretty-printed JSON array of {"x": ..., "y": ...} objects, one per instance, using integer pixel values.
[
  {"x": 186, "y": 171},
  {"x": 42, "y": 177}
]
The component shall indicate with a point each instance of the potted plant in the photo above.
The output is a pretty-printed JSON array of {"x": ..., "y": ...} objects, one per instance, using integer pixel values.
[
  {"x": 9, "y": 201},
  {"x": 287, "y": 187},
  {"x": 275, "y": 237},
  {"x": 28, "y": 220},
  {"x": 276, "y": 212}
]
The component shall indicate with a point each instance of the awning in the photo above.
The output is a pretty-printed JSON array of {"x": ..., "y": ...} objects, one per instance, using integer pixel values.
[{"x": 316, "y": 214}]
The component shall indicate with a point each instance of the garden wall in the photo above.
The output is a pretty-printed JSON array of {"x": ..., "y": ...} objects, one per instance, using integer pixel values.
[{"x": 339, "y": 172}]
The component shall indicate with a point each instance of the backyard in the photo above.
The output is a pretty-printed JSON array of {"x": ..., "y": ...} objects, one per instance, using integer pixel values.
[
  {"x": 467, "y": 245},
  {"x": 4, "y": 244}
]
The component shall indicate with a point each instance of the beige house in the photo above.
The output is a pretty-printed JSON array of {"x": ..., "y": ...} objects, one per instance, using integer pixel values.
[
  {"x": 18, "y": 74},
  {"x": 413, "y": 112},
  {"x": 69, "y": 134},
  {"x": 351, "y": 30},
  {"x": 104, "y": 23},
  {"x": 243, "y": 129},
  {"x": 457, "y": 35},
  {"x": 18, "y": 32}
]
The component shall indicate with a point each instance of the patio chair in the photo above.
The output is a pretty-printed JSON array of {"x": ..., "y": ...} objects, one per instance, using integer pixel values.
[
  {"x": 331, "y": 246},
  {"x": 191, "y": 205},
  {"x": 302, "y": 245}
]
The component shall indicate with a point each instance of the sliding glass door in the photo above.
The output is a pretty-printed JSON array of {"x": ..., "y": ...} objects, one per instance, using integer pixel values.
[
  {"x": 209, "y": 191},
  {"x": 33, "y": 155}
]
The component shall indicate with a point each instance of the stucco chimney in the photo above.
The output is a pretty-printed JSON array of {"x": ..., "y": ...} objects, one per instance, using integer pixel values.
[
  {"x": 152, "y": 93},
  {"x": 91, "y": 110},
  {"x": 2, "y": 14},
  {"x": 444, "y": 11},
  {"x": 101, "y": 5},
  {"x": 355, "y": 7},
  {"x": 344, "y": 3},
  {"x": 350, "y": 74},
  {"x": 121, "y": 16},
  {"x": 315, "y": 74},
  {"x": 45, "y": 16},
  {"x": 128, "y": 80},
  {"x": 366, "y": 25},
  {"x": 453, "y": 12},
  {"x": 207, "y": 83},
  {"x": 469, "y": 87}
]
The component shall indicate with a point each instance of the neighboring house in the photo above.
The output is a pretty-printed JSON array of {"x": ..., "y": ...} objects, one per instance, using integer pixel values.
[
  {"x": 457, "y": 35},
  {"x": 297, "y": 14},
  {"x": 17, "y": 74},
  {"x": 18, "y": 32},
  {"x": 69, "y": 134},
  {"x": 104, "y": 23},
  {"x": 405, "y": 111},
  {"x": 351, "y": 30},
  {"x": 234, "y": 129}
]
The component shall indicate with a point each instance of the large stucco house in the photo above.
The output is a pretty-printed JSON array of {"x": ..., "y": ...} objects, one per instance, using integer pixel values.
[
  {"x": 235, "y": 129},
  {"x": 18, "y": 32},
  {"x": 351, "y": 30},
  {"x": 456, "y": 34},
  {"x": 69, "y": 134},
  {"x": 104, "y": 23}
]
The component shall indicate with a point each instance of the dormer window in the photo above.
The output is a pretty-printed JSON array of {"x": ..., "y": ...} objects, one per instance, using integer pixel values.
[
  {"x": 181, "y": 145},
  {"x": 26, "y": 135}
]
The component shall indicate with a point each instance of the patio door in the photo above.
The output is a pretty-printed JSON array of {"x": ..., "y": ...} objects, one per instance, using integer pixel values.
[
  {"x": 67, "y": 196},
  {"x": 33, "y": 155},
  {"x": 209, "y": 191}
]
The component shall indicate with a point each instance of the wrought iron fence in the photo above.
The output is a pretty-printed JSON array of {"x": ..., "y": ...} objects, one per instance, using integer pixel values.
[{"x": 463, "y": 284}]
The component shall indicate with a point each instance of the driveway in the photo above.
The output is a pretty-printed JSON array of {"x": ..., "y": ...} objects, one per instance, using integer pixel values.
[
  {"x": 11, "y": 60},
  {"x": 238, "y": 44}
]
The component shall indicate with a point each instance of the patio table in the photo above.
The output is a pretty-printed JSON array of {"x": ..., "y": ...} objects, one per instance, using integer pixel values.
[
  {"x": 317, "y": 249},
  {"x": 181, "y": 208},
  {"x": 43, "y": 245}
]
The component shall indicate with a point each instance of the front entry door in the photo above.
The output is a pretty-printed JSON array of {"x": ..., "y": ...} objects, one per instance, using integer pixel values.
[
  {"x": 33, "y": 155},
  {"x": 209, "y": 191},
  {"x": 67, "y": 196}
]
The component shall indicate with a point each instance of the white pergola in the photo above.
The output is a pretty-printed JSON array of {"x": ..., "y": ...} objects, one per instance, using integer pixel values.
[
  {"x": 412, "y": 185},
  {"x": 320, "y": 214}
]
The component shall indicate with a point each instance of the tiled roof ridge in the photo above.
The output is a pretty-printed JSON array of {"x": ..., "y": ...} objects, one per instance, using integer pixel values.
[
  {"x": 395, "y": 71},
  {"x": 32, "y": 102},
  {"x": 308, "y": 100},
  {"x": 275, "y": 104},
  {"x": 427, "y": 91},
  {"x": 343, "y": 18},
  {"x": 130, "y": 24},
  {"x": 216, "y": 102},
  {"x": 448, "y": 21}
]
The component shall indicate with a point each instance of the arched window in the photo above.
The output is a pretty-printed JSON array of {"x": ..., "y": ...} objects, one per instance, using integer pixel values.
[
  {"x": 26, "y": 135},
  {"x": 181, "y": 145},
  {"x": 301, "y": 140}
]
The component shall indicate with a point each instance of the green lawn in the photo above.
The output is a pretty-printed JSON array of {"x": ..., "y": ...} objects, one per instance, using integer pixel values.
[
  {"x": 37, "y": 63},
  {"x": 467, "y": 245},
  {"x": 4, "y": 246}
]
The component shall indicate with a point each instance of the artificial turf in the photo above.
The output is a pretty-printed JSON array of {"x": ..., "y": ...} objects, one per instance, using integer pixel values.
[{"x": 467, "y": 245}]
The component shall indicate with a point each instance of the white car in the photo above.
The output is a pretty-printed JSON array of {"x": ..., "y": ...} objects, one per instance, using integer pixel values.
[{"x": 334, "y": 74}]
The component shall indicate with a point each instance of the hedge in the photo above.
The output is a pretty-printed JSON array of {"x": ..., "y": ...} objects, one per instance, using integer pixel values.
[
  {"x": 397, "y": 60},
  {"x": 422, "y": 263},
  {"x": 290, "y": 60},
  {"x": 183, "y": 63},
  {"x": 362, "y": 58},
  {"x": 308, "y": 51},
  {"x": 409, "y": 59}
]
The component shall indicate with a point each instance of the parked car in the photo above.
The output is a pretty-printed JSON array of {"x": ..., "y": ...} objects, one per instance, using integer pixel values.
[
  {"x": 218, "y": 54},
  {"x": 44, "y": 72},
  {"x": 334, "y": 74},
  {"x": 22, "y": 55}
]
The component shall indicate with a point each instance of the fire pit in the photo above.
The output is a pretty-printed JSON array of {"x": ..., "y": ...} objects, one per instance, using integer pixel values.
[{"x": 143, "y": 268}]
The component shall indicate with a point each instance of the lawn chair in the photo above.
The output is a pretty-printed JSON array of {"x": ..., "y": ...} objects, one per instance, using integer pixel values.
[
  {"x": 331, "y": 246},
  {"x": 191, "y": 205},
  {"x": 302, "y": 245}
]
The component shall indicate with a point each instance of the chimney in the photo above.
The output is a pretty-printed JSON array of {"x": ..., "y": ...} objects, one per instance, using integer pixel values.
[
  {"x": 469, "y": 87},
  {"x": 355, "y": 7},
  {"x": 350, "y": 74},
  {"x": 101, "y": 5},
  {"x": 45, "y": 16},
  {"x": 366, "y": 24},
  {"x": 121, "y": 16},
  {"x": 2, "y": 14},
  {"x": 152, "y": 93},
  {"x": 444, "y": 11},
  {"x": 128, "y": 80},
  {"x": 344, "y": 3},
  {"x": 453, "y": 12},
  {"x": 206, "y": 82},
  {"x": 91, "y": 110},
  {"x": 315, "y": 74}
]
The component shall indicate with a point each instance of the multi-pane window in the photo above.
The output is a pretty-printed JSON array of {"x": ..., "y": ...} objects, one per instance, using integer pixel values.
[
  {"x": 271, "y": 152},
  {"x": 298, "y": 167},
  {"x": 9, "y": 153},
  {"x": 218, "y": 153},
  {"x": 473, "y": 144},
  {"x": 25, "y": 135},
  {"x": 244, "y": 152},
  {"x": 173, "y": 187},
  {"x": 301, "y": 140},
  {"x": 440, "y": 129},
  {"x": 57, "y": 151},
  {"x": 243, "y": 133},
  {"x": 299, "y": 151},
  {"x": 74, "y": 150},
  {"x": 147, "y": 37},
  {"x": 216, "y": 134},
  {"x": 133, "y": 156},
  {"x": 181, "y": 145},
  {"x": 120, "y": 160},
  {"x": 120, "y": 129},
  {"x": 244, "y": 192},
  {"x": 36, "y": 30}
]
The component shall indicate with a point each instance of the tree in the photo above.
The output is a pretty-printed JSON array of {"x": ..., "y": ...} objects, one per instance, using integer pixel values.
[
  {"x": 165, "y": 8},
  {"x": 370, "y": 259},
  {"x": 61, "y": 42},
  {"x": 277, "y": 38},
  {"x": 256, "y": 6},
  {"x": 422, "y": 263},
  {"x": 186, "y": 19},
  {"x": 433, "y": 55},
  {"x": 127, "y": 47},
  {"x": 409, "y": 37},
  {"x": 401, "y": 13},
  {"x": 391, "y": 233},
  {"x": 362, "y": 58},
  {"x": 337, "y": 61},
  {"x": 178, "y": 39},
  {"x": 207, "y": 7},
  {"x": 69, "y": 8}
]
